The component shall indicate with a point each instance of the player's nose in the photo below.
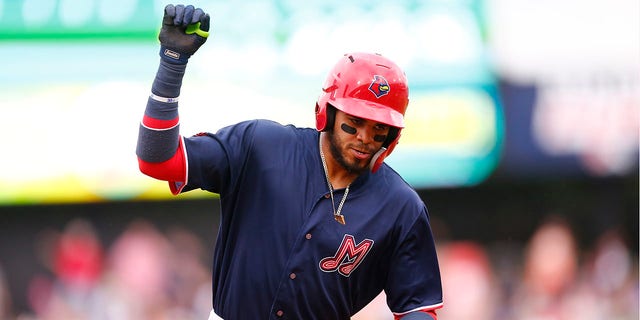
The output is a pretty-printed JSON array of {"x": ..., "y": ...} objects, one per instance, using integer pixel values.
[{"x": 365, "y": 135}]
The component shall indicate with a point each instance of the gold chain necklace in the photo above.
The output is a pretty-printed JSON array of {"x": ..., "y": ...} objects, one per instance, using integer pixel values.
[{"x": 336, "y": 214}]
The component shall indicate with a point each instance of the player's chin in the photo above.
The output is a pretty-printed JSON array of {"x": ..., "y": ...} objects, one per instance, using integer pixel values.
[{"x": 358, "y": 165}]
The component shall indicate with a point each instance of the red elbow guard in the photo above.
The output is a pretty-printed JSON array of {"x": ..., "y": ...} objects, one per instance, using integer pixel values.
[{"x": 173, "y": 170}]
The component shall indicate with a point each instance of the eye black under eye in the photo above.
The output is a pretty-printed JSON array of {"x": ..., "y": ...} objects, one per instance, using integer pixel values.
[
  {"x": 348, "y": 129},
  {"x": 379, "y": 138}
]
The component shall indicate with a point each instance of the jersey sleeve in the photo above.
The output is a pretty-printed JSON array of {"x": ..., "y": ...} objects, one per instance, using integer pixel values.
[
  {"x": 215, "y": 161},
  {"x": 414, "y": 282}
]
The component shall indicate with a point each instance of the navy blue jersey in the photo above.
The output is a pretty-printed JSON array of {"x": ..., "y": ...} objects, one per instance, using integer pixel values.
[{"x": 281, "y": 255}]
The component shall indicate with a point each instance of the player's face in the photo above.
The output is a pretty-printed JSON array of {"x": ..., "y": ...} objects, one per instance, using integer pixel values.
[{"x": 355, "y": 140}]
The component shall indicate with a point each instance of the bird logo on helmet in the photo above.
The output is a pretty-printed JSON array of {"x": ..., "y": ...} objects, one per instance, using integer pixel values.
[
  {"x": 348, "y": 88},
  {"x": 379, "y": 86}
]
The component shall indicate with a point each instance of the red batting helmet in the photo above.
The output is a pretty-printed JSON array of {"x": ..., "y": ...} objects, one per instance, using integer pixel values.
[{"x": 367, "y": 86}]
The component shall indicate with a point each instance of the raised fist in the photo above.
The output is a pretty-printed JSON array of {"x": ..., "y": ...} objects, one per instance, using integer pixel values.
[{"x": 184, "y": 30}]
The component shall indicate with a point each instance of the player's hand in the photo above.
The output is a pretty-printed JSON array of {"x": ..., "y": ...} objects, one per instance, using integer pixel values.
[{"x": 184, "y": 30}]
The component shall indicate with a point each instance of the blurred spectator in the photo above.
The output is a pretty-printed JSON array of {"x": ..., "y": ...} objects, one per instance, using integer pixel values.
[
  {"x": 138, "y": 274},
  {"x": 550, "y": 269},
  {"x": 75, "y": 258},
  {"x": 153, "y": 275},
  {"x": 469, "y": 286},
  {"x": 190, "y": 286},
  {"x": 612, "y": 277},
  {"x": 78, "y": 256}
]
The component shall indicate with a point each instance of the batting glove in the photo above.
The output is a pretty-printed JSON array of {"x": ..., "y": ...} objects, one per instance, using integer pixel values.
[{"x": 184, "y": 30}]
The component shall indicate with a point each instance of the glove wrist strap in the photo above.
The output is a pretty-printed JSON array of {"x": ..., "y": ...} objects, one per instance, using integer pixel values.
[{"x": 173, "y": 56}]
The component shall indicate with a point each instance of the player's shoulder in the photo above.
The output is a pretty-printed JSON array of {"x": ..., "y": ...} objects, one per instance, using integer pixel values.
[
  {"x": 264, "y": 129},
  {"x": 266, "y": 137},
  {"x": 392, "y": 185},
  {"x": 402, "y": 203},
  {"x": 267, "y": 125},
  {"x": 393, "y": 178},
  {"x": 272, "y": 131}
]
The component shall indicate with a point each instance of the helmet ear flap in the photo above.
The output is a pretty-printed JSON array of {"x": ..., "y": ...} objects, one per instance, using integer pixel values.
[
  {"x": 387, "y": 147},
  {"x": 321, "y": 117},
  {"x": 325, "y": 117},
  {"x": 391, "y": 137}
]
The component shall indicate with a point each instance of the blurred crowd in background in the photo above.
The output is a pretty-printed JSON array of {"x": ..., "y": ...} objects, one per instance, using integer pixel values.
[
  {"x": 148, "y": 273},
  {"x": 143, "y": 274}
]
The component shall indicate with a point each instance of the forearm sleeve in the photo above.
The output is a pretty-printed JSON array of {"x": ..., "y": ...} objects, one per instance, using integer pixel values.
[{"x": 158, "y": 136}]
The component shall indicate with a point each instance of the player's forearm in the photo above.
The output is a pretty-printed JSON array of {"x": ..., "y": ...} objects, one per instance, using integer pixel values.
[
  {"x": 159, "y": 130},
  {"x": 184, "y": 30},
  {"x": 168, "y": 80}
]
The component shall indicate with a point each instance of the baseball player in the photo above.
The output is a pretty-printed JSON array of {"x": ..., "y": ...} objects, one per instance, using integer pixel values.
[{"x": 314, "y": 224}]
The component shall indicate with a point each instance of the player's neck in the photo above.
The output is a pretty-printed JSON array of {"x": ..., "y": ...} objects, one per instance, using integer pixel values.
[{"x": 340, "y": 179}]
